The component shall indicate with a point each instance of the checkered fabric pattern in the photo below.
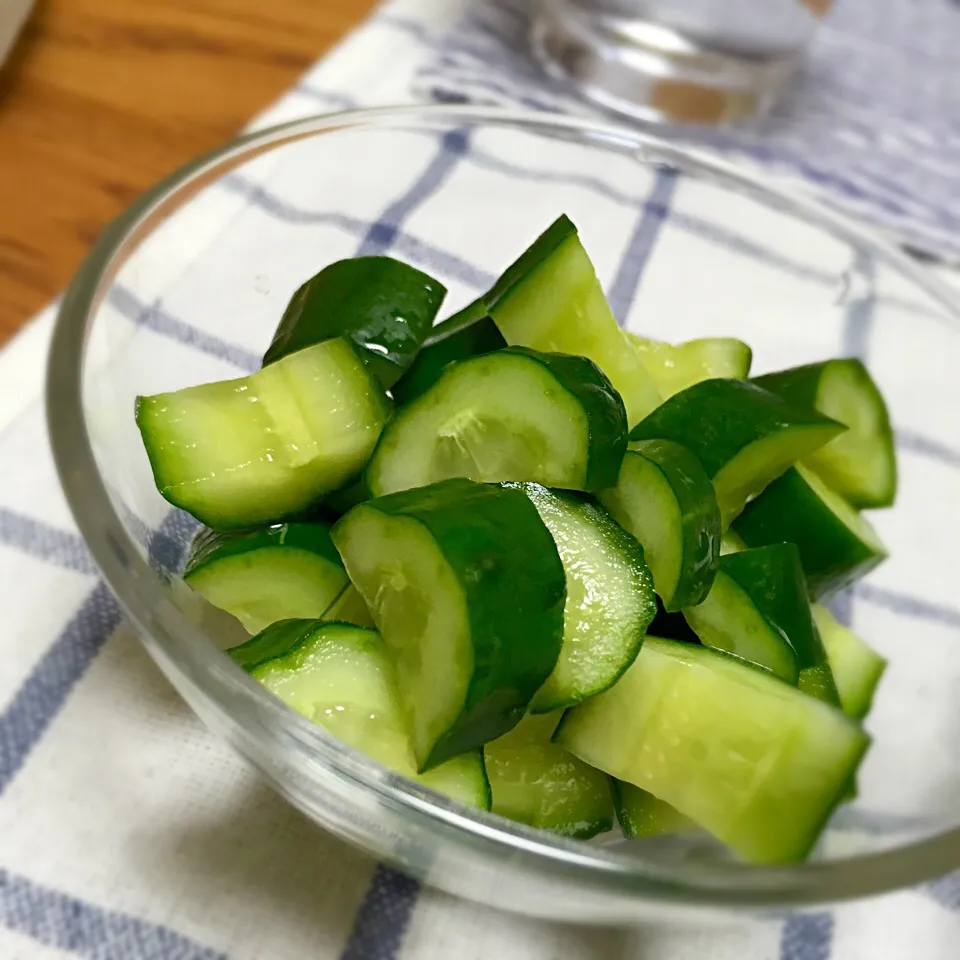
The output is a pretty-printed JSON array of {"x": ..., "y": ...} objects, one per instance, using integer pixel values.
[
  {"x": 869, "y": 124},
  {"x": 127, "y": 832}
]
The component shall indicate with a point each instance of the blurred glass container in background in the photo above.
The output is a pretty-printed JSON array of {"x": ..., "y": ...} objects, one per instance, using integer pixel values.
[{"x": 681, "y": 61}]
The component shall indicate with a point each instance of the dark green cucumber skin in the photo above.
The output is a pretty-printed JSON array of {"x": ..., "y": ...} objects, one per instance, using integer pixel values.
[
  {"x": 211, "y": 545},
  {"x": 800, "y": 386},
  {"x": 507, "y": 564},
  {"x": 606, "y": 414},
  {"x": 449, "y": 342},
  {"x": 335, "y": 505},
  {"x": 718, "y": 418},
  {"x": 554, "y": 237},
  {"x": 277, "y": 640},
  {"x": 790, "y": 510},
  {"x": 797, "y": 385},
  {"x": 772, "y": 578},
  {"x": 384, "y": 306},
  {"x": 700, "y": 517}
]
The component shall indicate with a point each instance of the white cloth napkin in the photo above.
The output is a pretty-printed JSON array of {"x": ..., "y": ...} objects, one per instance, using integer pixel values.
[{"x": 127, "y": 832}]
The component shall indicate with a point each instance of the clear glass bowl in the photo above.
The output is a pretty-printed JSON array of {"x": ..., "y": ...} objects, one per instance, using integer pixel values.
[{"x": 188, "y": 284}]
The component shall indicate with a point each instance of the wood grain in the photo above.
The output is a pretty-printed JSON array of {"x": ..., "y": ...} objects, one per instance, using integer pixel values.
[{"x": 103, "y": 97}]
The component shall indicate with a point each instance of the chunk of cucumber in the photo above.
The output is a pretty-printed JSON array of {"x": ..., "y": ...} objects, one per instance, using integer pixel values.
[
  {"x": 857, "y": 668},
  {"x": 537, "y": 782},
  {"x": 510, "y": 415},
  {"x": 349, "y": 607},
  {"x": 550, "y": 300},
  {"x": 641, "y": 814},
  {"x": 758, "y": 611},
  {"x": 341, "y": 677},
  {"x": 264, "y": 448},
  {"x": 743, "y": 435},
  {"x": 674, "y": 367},
  {"x": 860, "y": 464},
  {"x": 610, "y": 600},
  {"x": 466, "y": 586},
  {"x": 285, "y": 571},
  {"x": 384, "y": 306},
  {"x": 471, "y": 333},
  {"x": 837, "y": 545},
  {"x": 666, "y": 500},
  {"x": 751, "y": 759}
]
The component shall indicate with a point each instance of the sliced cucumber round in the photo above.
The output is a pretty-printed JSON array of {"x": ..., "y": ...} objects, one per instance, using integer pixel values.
[
  {"x": 860, "y": 464},
  {"x": 384, "y": 306},
  {"x": 285, "y": 571},
  {"x": 674, "y": 367},
  {"x": 510, "y": 415},
  {"x": 264, "y": 448},
  {"x": 743, "y": 436},
  {"x": 536, "y": 782},
  {"x": 610, "y": 600},
  {"x": 837, "y": 545},
  {"x": 342, "y": 678},
  {"x": 751, "y": 759},
  {"x": 856, "y": 667},
  {"x": 641, "y": 814},
  {"x": 666, "y": 500},
  {"x": 471, "y": 333},
  {"x": 465, "y": 584},
  {"x": 758, "y": 611},
  {"x": 550, "y": 300}
]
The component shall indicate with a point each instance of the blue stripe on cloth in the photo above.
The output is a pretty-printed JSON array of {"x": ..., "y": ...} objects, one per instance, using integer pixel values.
[
  {"x": 807, "y": 936},
  {"x": 907, "y": 606},
  {"x": 946, "y": 891},
  {"x": 155, "y": 318},
  {"x": 43, "y": 542},
  {"x": 422, "y": 253},
  {"x": 861, "y": 304},
  {"x": 381, "y": 235},
  {"x": 39, "y": 699},
  {"x": 652, "y": 216},
  {"x": 927, "y": 447},
  {"x": 383, "y": 917},
  {"x": 66, "y": 923},
  {"x": 841, "y": 606}
]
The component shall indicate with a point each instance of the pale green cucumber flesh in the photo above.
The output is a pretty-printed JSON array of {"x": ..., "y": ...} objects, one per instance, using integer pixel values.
[
  {"x": 285, "y": 435},
  {"x": 837, "y": 545},
  {"x": 674, "y": 367},
  {"x": 610, "y": 600},
  {"x": 666, "y": 500},
  {"x": 342, "y": 678},
  {"x": 744, "y": 436},
  {"x": 551, "y": 300},
  {"x": 860, "y": 464},
  {"x": 494, "y": 418},
  {"x": 641, "y": 814},
  {"x": 751, "y": 759},
  {"x": 415, "y": 599},
  {"x": 465, "y": 583},
  {"x": 536, "y": 782},
  {"x": 728, "y": 620},
  {"x": 857, "y": 668},
  {"x": 270, "y": 584},
  {"x": 349, "y": 607}
]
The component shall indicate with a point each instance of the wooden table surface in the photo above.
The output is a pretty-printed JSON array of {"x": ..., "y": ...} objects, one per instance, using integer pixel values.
[{"x": 103, "y": 97}]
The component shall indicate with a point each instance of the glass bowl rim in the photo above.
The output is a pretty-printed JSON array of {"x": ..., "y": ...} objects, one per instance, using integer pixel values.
[{"x": 137, "y": 588}]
